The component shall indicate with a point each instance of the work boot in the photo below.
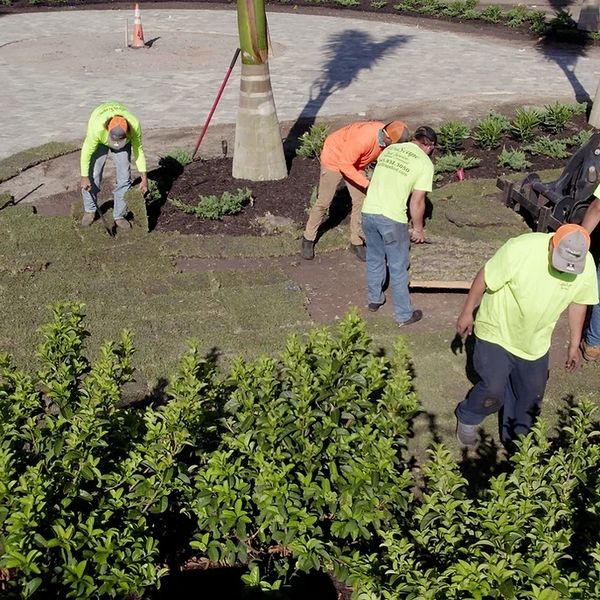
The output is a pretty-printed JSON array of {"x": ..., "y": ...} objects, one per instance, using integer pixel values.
[
  {"x": 591, "y": 353},
  {"x": 123, "y": 224},
  {"x": 359, "y": 251},
  {"x": 88, "y": 218},
  {"x": 416, "y": 316},
  {"x": 308, "y": 249},
  {"x": 466, "y": 434},
  {"x": 375, "y": 306}
]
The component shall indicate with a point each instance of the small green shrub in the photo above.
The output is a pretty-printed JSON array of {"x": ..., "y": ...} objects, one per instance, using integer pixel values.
[
  {"x": 492, "y": 14},
  {"x": 348, "y": 3},
  {"x": 183, "y": 157},
  {"x": 525, "y": 122},
  {"x": 458, "y": 8},
  {"x": 377, "y": 4},
  {"x": 555, "y": 117},
  {"x": 451, "y": 162},
  {"x": 215, "y": 207},
  {"x": 409, "y": 6},
  {"x": 538, "y": 22},
  {"x": 517, "y": 16},
  {"x": 311, "y": 142},
  {"x": 547, "y": 146},
  {"x": 489, "y": 131},
  {"x": 452, "y": 134},
  {"x": 431, "y": 7},
  {"x": 513, "y": 159},
  {"x": 580, "y": 138}
]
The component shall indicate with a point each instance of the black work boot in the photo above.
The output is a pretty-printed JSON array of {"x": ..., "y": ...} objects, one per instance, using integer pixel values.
[
  {"x": 308, "y": 249},
  {"x": 359, "y": 251}
]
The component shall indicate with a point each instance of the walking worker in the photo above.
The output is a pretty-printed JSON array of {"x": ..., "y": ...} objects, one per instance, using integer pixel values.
[
  {"x": 523, "y": 289},
  {"x": 346, "y": 152},
  {"x": 590, "y": 345},
  {"x": 403, "y": 171},
  {"x": 113, "y": 130}
]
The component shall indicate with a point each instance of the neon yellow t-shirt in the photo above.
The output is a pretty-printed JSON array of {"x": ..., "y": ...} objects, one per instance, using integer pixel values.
[
  {"x": 401, "y": 168},
  {"x": 525, "y": 295}
]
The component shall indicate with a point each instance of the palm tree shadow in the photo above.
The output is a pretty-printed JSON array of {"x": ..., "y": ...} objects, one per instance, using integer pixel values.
[
  {"x": 566, "y": 57},
  {"x": 347, "y": 54}
]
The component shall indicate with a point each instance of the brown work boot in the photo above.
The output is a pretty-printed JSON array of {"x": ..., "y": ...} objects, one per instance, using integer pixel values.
[
  {"x": 590, "y": 353},
  {"x": 416, "y": 316},
  {"x": 123, "y": 224},
  {"x": 88, "y": 218}
]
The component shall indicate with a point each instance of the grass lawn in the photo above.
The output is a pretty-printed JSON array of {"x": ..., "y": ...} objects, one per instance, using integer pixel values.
[{"x": 132, "y": 281}]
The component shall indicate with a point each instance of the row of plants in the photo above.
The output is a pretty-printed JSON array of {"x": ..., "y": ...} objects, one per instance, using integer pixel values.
[
  {"x": 530, "y": 131},
  {"x": 281, "y": 465}
]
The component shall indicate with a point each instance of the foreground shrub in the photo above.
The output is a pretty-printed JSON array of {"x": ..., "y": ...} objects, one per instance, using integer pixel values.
[
  {"x": 533, "y": 532},
  {"x": 489, "y": 131},
  {"x": 309, "y": 469},
  {"x": 451, "y": 135},
  {"x": 548, "y": 147},
  {"x": 525, "y": 122},
  {"x": 448, "y": 163},
  {"x": 513, "y": 159},
  {"x": 216, "y": 207}
]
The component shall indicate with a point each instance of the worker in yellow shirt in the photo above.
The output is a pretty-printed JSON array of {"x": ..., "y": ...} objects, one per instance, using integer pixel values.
[
  {"x": 112, "y": 130},
  {"x": 521, "y": 292}
]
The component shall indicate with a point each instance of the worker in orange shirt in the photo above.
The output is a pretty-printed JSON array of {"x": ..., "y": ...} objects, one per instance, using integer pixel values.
[{"x": 345, "y": 155}]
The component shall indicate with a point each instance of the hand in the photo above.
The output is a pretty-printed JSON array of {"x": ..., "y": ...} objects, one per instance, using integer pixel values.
[
  {"x": 85, "y": 184},
  {"x": 573, "y": 358},
  {"x": 144, "y": 183},
  {"x": 417, "y": 235},
  {"x": 464, "y": 323}
]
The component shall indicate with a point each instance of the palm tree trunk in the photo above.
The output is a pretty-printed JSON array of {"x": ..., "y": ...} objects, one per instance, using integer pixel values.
[{"x": 258, "y": 149}]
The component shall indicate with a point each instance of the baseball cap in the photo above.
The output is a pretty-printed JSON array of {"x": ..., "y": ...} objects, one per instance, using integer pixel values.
[
  {"x": 117, "y": 132},
  {"x": 397, "y": 131},
  {"x": 570, "y": 245}
]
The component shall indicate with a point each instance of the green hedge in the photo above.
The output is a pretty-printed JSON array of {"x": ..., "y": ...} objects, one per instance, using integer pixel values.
[{"x": 282, "y": 465}]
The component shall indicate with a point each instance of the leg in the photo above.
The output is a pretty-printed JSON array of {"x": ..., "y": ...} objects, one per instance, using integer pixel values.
[
  {"x": 328, "y": 183},
  {"x": 376, "y": 269},
  {"x": 494, "y": 366},
  {"x": 97, "y": 162},
  {"x": 397, "y": 242},
  {"x": 523, "y": 396},
  {"x": 358, "y": 197},
  {"x": 591, "y": 337},
  {"x": 121, "y": 158}
]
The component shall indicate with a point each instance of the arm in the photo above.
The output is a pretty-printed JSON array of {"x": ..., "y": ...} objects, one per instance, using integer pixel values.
[
  {"x": 576, "y": 315},
  {"x": 592, "y": 216},
  {"x": 356, "y": 177},
  {"x": 417, "y": 212},
  {"x": 87, "y": 150},
  {"x": 464, "y": 323}
]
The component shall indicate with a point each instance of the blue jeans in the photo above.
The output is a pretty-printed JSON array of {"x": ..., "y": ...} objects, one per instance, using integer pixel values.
[
  {"x": 592, "y": 332},
  {"x": 121, "y": 159},
  {"x": 507, "y": 382},
  {"x": 388, "y": 244}
]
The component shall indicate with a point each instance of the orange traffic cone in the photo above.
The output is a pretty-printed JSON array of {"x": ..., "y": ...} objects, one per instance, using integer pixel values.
[{"x": 137, "y": 40}]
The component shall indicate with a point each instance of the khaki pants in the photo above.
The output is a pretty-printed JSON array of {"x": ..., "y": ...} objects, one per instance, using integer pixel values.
[{"x": 328, "y": 183}]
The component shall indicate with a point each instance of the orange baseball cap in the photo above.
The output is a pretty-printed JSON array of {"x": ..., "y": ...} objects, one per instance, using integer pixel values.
[
  {"x": 570, "y": 245},
  {"x": 397, "y": 131},
  {"x": 117, "y": 132}
]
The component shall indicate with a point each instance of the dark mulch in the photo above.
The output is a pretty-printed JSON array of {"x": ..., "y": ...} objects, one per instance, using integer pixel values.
[{"x": 290, "y": 197}]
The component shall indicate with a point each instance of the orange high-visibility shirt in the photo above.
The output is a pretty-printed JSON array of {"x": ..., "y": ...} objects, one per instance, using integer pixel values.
[{"x": 350, "y": 149}]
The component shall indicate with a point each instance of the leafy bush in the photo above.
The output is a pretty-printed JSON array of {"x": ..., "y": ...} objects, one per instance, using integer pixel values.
[
  {"x": 580, "y": 138},
  {"x": 451, "y": 135},
  {"x": 489, "y": 131},
  {"x": 179, "y": 155},
  {"x": 525, "y": 122},
  {"x": 548, "y": 147},
  {"x": 311, "y": 142},
  {"x": 216, "y": 207},
  {"x": 513, "y": 159},
  {"x": 308, "y": 470},
  {"x": 538, "y": 22},
  {"x": 448, "y": 163},
  {"x": 517, "y": 16},
  {"x": 377, "y": 4},
  {"x": 458, "y": 8},
  {"x": 555, "y": 117},
  {"x": 492, "y": 14}
]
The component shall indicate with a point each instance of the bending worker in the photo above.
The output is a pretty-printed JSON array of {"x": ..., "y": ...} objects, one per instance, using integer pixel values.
[
  {"x": 523, "y": 289},
  {"x": 345, "y": 155},
  {"x": 113, "y": 130}
]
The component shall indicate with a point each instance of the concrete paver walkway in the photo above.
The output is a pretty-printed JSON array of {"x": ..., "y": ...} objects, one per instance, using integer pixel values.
[{"x": 56, "y": 67}]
